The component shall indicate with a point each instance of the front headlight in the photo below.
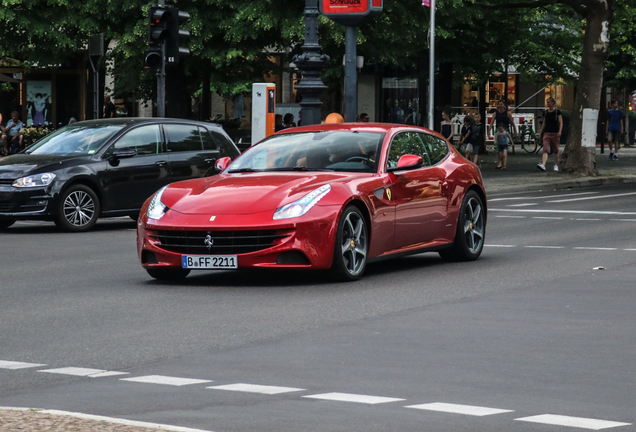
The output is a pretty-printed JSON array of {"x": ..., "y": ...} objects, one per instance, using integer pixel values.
[
  {"x": 157, "y": 209},
  {"x": 303, "y": 205},
  {"x": 36, "y": 180}
]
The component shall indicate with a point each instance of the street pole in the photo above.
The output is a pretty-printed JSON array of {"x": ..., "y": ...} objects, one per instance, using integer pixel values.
[
  {"x": 351, "y": 74},
  {"x": 431, "y": 70},
  {"x": 161, "y": 78},
  {"x": 311, "y": 63}
]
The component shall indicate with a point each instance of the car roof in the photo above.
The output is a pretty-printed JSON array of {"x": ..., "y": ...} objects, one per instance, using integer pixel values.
[
  {"x": 129, "y": 121},
  {"x": 357, "y": 127}
]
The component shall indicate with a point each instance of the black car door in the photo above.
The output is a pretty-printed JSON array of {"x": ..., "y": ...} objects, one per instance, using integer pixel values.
[
  {"x": 191, "y": 150},
  {"x": 128, "y": 182}
]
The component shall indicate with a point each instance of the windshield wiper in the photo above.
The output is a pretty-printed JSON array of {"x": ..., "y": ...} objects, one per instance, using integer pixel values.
[
  {"x": 298, "y": 168},
  {"x": 242, "y": 170}
]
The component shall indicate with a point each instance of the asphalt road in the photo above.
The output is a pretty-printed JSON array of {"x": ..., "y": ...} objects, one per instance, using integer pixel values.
[{"x": 533, "y": 336}]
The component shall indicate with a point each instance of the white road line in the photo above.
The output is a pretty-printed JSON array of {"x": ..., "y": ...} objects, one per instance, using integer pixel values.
[
  {"x": 255, "y": 388},
  {"x": 542, "y": 197},
  {"x": 165, "y": 380},
  {"x": 624, "y": 220},
  {"x": 594, "y": 197},
  {"x": 547, "y": 217},
  {"x": 631, "y": 250},
  {"x": 511, "y": 217},
  {"x": 595, "y": 248},
  {"x": 77, "y": 371},
  {"x": 347, "y": 397},
  {"x": 594, "y": 212},
  {"x": 5, "y": 364},
  {"x": 501, "y": 246},
  {"x": 107, "y": 419},
  {"x": 459, "y": 409},
  {"x": 586, "y": 219},
  {"x": 523, "y": 205},
  {"x": 579, "y": 422},
  {"x": 545, "y": 247}
]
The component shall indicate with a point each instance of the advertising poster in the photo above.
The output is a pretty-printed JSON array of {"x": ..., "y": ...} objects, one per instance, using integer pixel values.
[{"x": 39, "y": 102}]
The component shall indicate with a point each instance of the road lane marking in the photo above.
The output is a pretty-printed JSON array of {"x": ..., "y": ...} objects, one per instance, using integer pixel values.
[
  {"x": 85, "y": 372},
  {"x": 254, "y": 388},
  {"x": 542, "y": 197},
  {"x": 5, "y": 364},
  {"x": 594, "y": 197},
  {"x": 578, "y": 422},
  {"x": 594, "y": 212},
  {"x": 511, "y": 217},
  {"x": 587, "y": 219},
  {"x": 547, "y": 217},
  {"x": 545, "y": 247},
  {"x": 595, "y": 248},
  {"x": 459, "y": 409},
  {"x": 523, "y": 205},
  {"x": 624, "y": 220},
  {"x": 114, "y": 420},
  {"x": 347, "y": 397},
  {"x": 500, "y": 246},
  {"x": 165, "y": 380}
]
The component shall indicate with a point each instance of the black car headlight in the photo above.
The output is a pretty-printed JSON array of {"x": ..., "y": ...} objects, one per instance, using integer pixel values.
[{"x": 36, "y": 180}]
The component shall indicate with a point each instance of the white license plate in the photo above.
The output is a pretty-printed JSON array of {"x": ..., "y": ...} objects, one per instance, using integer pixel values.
[{"x": 209, "y": 261}]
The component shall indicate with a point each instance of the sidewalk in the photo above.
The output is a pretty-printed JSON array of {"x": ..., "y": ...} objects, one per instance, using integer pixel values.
[{"x": 522, "y": 173}]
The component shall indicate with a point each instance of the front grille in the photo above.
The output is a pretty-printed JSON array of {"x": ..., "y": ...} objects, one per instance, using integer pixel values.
[
  {"x": 223, "y": 242},
  {"x": 6, "y": 181},
  {"x": 6, "y": 207}
]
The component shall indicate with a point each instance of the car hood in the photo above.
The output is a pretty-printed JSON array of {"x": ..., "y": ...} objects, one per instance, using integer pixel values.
[
  {"x": 246, "y": 193},
  {"x": 19, "y": 165}
]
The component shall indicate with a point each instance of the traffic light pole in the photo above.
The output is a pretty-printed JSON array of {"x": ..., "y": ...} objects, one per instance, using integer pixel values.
[{"x": 161, "y": 78}]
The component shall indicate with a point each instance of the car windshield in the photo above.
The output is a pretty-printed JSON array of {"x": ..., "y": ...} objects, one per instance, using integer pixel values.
[
  {"x": 75, "y": 139},
  {"x": 349, "y": 151}
]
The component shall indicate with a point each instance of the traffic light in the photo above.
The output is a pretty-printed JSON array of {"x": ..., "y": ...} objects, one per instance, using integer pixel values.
[
  {"x": 160, "y": 20},
  {"x": 174, "y": 52}
]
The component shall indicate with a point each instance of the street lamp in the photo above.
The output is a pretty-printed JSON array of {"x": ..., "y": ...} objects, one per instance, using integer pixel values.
[{"x": 311, "y": 63}]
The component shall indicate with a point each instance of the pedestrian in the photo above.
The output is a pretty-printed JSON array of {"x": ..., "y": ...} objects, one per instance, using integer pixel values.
[
  {"x": 464, "y": 135},
  {"x": 288, "y": 121},
  {"x": 551, "y": 134},
  {"x": 364, "y": 117},
  {"x": 614, "y": 129},
  {"x": 502, "y": 116},
  {"x": 334, "y": 118},
  {"x": 476, "y": 137},
  {"x": 446, "y": 127},
  {"x": 502, "y": 139},
  {"x": 109, "y": 107},
  {"x": 278, "y": 123},
  {"x": 12, "y": 135}
]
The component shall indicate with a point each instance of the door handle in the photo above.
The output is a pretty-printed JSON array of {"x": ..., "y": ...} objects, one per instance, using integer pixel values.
[
  {"x": 161, "y": 163},
  {"x": 444, "y": 187},
  {"x": 210, "y": 161}
]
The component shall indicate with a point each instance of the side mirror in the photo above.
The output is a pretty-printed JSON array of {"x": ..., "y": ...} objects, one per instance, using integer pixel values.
[
  {"x": 408, "y": 161},
  {"x": 222, "y": 164},
  {"x": 123, "y": 153}
]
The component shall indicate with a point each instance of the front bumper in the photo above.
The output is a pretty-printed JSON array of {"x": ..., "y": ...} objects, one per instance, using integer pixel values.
[
  {"x": 304, "y": 242},
  {"x": 25, "y": 203}
]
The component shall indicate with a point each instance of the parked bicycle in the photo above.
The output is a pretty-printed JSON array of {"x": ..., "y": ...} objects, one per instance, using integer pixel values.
[{"x": 530, "y": 141}]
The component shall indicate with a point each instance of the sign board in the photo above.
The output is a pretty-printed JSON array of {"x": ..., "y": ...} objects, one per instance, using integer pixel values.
[
  {"x": 351, "y": 12},
  {"x": 263, "y": 110}
]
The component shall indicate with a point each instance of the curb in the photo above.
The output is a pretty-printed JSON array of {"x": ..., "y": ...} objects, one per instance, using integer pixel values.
[{"x": 555, "y": 184}]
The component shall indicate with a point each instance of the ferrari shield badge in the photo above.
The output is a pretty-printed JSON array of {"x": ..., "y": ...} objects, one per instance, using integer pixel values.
[{"x": 388, "y": 194}]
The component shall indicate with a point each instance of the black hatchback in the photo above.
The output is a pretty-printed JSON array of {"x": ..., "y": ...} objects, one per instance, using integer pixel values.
[{"x": 105, "y": 168}]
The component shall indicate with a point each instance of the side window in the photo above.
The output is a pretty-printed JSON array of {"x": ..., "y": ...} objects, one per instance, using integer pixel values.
[
  {"x": 145, "y": 140},
  {"x": 435, "y": 147},
  {"x": 406, "y": 143},
  {"x": 208, "y": 142},
  {"x": 226, "y": 147},
  {"x": 183, "y": 138}
]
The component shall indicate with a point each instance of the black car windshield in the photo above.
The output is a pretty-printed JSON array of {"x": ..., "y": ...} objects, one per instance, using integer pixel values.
[
  {"x": 75, "y": 139},
  {"x": 336, "y": 150}
]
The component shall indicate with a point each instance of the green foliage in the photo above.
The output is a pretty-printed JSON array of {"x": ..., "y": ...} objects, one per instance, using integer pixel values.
[{"x": 621, "y": 64}]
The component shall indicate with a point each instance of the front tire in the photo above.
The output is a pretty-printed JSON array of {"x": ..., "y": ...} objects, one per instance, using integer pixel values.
[
  {"x": 471, "y": 230},
  {"x": 352, "y": 246},
  {"x": 4, "y": 224},
  {"x": 78, "y": 209},
  {"x": 168, "y": 274},
  {"x": 529, "y": 145}
]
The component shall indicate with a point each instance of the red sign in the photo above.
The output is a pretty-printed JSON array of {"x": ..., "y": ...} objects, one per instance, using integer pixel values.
[
  {"x": 345, "y": 6},
  {"x": 351, "y": 12}
]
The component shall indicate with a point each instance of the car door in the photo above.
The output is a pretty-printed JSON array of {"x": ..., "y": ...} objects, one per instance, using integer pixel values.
[
  {"x": 191, "y": 149},
  {"x": 417, "y": 193},
  {"x": 128, "y": 182}
]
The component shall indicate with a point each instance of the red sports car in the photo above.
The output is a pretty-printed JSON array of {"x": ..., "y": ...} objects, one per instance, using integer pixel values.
[{"x": 335, "y": 196}]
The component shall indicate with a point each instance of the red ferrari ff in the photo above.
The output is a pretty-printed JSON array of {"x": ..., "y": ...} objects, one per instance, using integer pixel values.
[{"x": 335, "y": 196}]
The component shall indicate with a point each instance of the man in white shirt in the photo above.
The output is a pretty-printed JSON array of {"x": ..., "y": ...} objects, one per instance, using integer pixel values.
[{"x": 11, "y": 136}]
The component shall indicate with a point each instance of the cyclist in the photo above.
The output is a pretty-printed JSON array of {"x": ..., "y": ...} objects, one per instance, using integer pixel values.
[{"x": 551, "y": 134}]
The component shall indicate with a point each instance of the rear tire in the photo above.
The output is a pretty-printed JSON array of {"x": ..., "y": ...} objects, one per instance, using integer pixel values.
[
  {"x": 528, "y": 144},
  {"x": 77, "y": 209},
  {"x": 352, "y": 246},
  {"x": 168, "y": 274},
  {"x": 471, "y": 230},
  {"x": 4, "y": 224}
]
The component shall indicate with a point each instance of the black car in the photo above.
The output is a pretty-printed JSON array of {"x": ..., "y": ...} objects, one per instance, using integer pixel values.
[{"x": 105, "y": 168}]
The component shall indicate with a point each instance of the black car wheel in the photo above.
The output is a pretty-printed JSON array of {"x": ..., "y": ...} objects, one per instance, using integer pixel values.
[
  {"x": 471, "y": 230},
  {"x": 168, "y": 274},
  {"x": 4, "y": 224},
  {"x": 78, "y": 209},
  {"x": 352, "y": 245}
]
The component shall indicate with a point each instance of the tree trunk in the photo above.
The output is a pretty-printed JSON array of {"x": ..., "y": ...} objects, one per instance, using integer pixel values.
[{"x": 577, "y": 158}]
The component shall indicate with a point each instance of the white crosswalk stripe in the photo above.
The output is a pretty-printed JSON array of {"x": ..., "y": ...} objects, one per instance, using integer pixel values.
[
  {"x": 165, "y": 380},
  {"x": 254, "y": 388},
  {"x": 577, "y": 422},
  {"x": 459, "y": 409},
  {"x": 347, "y": 397},
  {"x": 85, "y": 372},
  {"x": 5, "y": 364}
]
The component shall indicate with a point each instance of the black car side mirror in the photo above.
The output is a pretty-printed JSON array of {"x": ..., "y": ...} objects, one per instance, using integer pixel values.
[{"x": 123, "y": 153}]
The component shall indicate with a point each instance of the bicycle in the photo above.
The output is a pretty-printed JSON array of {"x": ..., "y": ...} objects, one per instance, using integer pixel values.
[{"x": 529, "y": 139}]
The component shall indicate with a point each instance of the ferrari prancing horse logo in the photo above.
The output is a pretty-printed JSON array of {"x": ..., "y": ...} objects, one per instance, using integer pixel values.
[{"x": 388, "y": 194}]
